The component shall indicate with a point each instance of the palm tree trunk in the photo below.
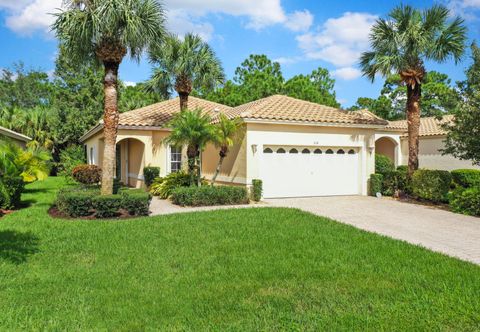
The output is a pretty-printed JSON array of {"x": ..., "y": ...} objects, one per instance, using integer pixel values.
[
  {"x": 110, "y": 125},
  {"x": 222, "y": 154},
  {"x": 183, "y": 100},
  {"x": 191, "y": 155},
  {"x": 414, "y": 94}
]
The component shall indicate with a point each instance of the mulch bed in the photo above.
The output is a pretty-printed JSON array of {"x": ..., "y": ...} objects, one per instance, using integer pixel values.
[
  {"x": 412, "y": 200},
  {"x": 55, "y": 213},
  {"x": 5, "y": 212}
]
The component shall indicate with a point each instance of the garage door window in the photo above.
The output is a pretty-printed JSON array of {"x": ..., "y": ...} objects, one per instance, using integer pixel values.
[
  {"x": 329, "y": 151},
  {"x": 317, "y": 151},
  {"x": 340, "y": 151},
  {"x": 280, "y": 150},
  {"x": 306, "y": 151},
  {"x": 351, "y": 151},
  {"x": 268, "y": 150},
  {"x": 293, "y": 151}
]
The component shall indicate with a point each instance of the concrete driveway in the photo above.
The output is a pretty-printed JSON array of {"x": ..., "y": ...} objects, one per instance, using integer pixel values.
[{"x": 449, "y": 233}]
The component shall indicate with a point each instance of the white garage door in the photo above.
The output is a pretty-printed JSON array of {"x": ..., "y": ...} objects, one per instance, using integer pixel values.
[{"x": 309, "y": 171}]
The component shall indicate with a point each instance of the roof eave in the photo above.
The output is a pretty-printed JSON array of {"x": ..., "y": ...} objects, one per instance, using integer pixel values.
[
  {"x": 99, "y": 127},
  {"x": 14, "y": 134},
  {"x": 315, "y": 124}
]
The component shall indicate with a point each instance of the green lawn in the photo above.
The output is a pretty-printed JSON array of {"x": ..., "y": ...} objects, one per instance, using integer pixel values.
[{"x": 243, "y": 269}]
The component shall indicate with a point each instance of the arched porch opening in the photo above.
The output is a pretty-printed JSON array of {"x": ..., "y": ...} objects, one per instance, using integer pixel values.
[
  {"x": 130, "y": 160},
  {"x": 387, "y": 146}
]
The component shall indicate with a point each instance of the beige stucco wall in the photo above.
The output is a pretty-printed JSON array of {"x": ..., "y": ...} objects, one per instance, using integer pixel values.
[
  {"x": 430, "y": 156},
  {"x": 259, "y": 135},
  {"x": 234, "y": 168}
]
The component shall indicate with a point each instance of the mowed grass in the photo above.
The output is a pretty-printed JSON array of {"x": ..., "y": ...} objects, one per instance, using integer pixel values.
[{"x": 244, "y": 269}]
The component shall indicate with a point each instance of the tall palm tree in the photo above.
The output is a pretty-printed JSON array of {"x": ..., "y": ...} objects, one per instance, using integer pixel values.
[
  {"x": 183, "y": 65},
  {"x": 226, "y": 134},
  {"x": 194, "y": 130},
  {"x": 108, "y": 30},
  {"x": 401, "y": 44}
]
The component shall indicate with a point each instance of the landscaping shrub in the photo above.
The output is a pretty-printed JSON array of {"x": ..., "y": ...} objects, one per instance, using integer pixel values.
[
  {"x": 208, "y": 195},
  {"x": 76, "y": 202},
  {"x": 257, "y": 189},
  {"x": 163, "y": 187},
  {"x": 149, "y": 174},
  {"x": 466, "y": 178},
  {"x": 383, "y": 164},
  {"x": 466, "y": 201},
  {"x": 87, "y": 174},
  {"x": 395, "y": 183},
  {"x": 107, "y": 206},
  {"x": 137, "y": 203},
  {"x": 432, "y": 185},
  {"x": 376, "y": 182},
  {"x": 11, "y": 189}
]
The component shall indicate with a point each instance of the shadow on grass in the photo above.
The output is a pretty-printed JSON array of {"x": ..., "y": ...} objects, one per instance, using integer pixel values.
[
  {"x": 27, "y": 203},
  {"x": 16, "y": 247},
  {"x": 36, "y": 190}
]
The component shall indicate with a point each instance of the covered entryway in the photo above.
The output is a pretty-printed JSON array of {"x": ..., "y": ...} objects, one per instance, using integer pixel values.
[
  {"x": 130, "y": 161},
  {"x": 387, "y": 146},
  {"x": 290, "y": 171}
]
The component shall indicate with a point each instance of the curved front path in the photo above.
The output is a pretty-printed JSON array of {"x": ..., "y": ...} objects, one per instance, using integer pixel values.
[{"x": 446, "y": 232}]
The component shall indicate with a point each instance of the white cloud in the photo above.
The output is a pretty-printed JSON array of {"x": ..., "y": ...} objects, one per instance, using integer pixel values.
[
  {"x": 286, "y": 60},
  {"x": 299, "y": 20},
  {"x": 32, "y": 16},
  {"x": 130, "y": 83},
  {"x": 181, "y": 23},
  {"x": 468, "y": 9},
  {"x": 347, "y": 73},
  {"x": 339, "y": 41}
]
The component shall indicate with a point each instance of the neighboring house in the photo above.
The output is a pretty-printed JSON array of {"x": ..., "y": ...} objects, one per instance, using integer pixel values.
[
  {"x": 15, "y": 137},
  {"x": 297, "y": 148}
]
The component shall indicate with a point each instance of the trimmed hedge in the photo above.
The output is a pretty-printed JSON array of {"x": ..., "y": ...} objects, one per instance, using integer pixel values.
[
  {"x": 107, "y": 206},
  {"x": 466, "y": 178},
  {"x": 208, "y": 195},
  {"x": 376, "y": 184},
  {"x": 81, "y": 202},
  {"x": 11, "y": 189},
  {"x": 257, "y": 189},
  {"x": 395, "y": 182},
  {"x": 466, "y": 201},
  {"x": 87, "y": 174},
  {"x": 137, "y": 203},
  {"x": 432, "y": 185},
  {"x": 149, "y": 174},
  {"x": 383, "y": 164}
]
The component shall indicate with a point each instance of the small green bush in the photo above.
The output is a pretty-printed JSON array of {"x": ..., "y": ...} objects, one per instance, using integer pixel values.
[
  {"x": 150, "y": 174},
  {"x": 136, "y": 203},
  {"x": 466, "y": 201},
  {"x": 71, "y": 157},
  {"x": 257, "y": 189},
  {"x": 11, "y": 189},
  {"x": 383, "y": 164},
  {"x": 466, "y": 178},
  {"x": 432, "y": 185},
  {"x": 395, "y": 182},
  {"x": 76, "y": 202},
  {"x": 163, "y": 187},
  {"x": 376, "y": 182},
  {"x": 107, "y": 206},
  {"x": 87, "y": 174},
  {"x": 208, "y": 195}
]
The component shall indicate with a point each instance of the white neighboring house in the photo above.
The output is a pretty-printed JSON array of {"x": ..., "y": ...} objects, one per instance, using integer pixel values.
[{"x": 297, "y": 148}]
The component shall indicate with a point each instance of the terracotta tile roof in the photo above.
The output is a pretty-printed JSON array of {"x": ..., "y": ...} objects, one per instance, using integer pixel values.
[
  {"x": 283, "y": 108},
  {"x": 159, "y": 114},
  {"x": 430, "y": 126}
]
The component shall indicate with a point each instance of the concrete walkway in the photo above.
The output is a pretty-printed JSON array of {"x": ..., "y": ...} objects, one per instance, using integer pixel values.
[{"x": 446, "y": 232}]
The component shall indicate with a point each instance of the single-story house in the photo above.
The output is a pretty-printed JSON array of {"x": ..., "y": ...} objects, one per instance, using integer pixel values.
[
  {"x": 297, "y": 148},
  {"x": 15, "y": 137}
]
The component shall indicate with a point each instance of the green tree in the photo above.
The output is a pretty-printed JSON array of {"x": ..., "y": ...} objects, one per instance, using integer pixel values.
[
  {"x": 108, "y": 30},
  {"x": 463, "y": 138},
  {"x": 401, "y": 44},
  {"x": 194, "y": 130},
  {"x": 184, "y": 65},
  {"x": 316, "y": 87},
  {"x": 382, "y": 106},
  {"x": 133, "y": 97},
  {"x": 226, "y": 135}
]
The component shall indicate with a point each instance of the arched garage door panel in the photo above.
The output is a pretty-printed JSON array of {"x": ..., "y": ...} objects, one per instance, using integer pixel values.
[{"x": 321, "y": 172}]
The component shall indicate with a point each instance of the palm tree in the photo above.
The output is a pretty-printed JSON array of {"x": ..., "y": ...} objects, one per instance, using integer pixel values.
[
  {"x": 194, "y": 130},
  {"x": 108, "y": 30},
  {"x": 184, "y": 65},
  {"x": 402, "y": 44},
  {"x": 226, "y": 134}
]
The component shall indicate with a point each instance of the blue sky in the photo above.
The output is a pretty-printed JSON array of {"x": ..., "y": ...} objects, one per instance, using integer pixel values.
[{"x": 301, "y": 35}]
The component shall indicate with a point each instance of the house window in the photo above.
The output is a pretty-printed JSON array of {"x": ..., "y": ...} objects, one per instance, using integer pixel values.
[
  {"x": 92, "y": 161},
  {"x": 175, "y": 159}
]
